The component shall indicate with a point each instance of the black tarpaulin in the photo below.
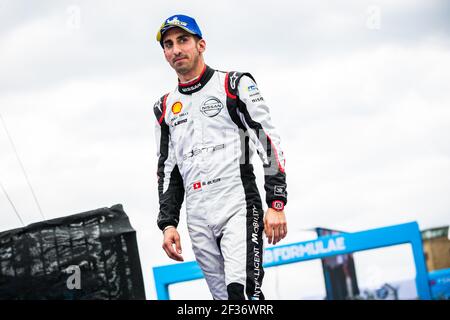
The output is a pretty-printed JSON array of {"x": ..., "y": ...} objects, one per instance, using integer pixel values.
[{"x": 37, "y": 261}]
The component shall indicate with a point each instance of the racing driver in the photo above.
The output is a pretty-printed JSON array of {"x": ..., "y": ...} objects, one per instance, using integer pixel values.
[{"x": 207, "y": 129}]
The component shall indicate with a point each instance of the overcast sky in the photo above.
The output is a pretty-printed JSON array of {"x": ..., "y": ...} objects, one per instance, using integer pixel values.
[{"x": 359, "y": 91}]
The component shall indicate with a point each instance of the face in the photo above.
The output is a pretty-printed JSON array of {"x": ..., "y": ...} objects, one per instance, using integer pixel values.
[{"x": 182, "y": 50}]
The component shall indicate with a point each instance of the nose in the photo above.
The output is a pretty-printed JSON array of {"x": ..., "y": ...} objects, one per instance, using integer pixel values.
[{"x": 176, "y": 50}]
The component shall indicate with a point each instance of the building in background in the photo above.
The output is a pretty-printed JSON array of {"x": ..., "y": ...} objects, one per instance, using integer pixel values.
[{"x": 436, "y": 246}]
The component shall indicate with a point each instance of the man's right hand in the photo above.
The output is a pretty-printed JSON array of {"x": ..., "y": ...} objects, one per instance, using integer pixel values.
[{"x": 171, "y": 238}]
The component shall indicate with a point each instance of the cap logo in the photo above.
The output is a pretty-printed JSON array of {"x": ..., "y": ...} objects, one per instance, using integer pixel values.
[{"x": 176, "y": 22}]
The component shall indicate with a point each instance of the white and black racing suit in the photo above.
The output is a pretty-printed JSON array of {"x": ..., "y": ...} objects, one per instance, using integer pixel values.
[{"x": 206, "y": 132}]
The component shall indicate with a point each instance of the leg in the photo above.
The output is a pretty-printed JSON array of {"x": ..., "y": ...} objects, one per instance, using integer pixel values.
[
  {"x": 208, "y": 255},
  {"x": 242, "y": 249}
]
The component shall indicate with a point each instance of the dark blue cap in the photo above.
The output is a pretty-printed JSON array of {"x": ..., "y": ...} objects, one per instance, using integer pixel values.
[{"x": 180, "y": 21}]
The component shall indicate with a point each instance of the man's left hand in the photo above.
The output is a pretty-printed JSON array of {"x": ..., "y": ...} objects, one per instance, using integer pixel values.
[{"x": 275, "y": 225}]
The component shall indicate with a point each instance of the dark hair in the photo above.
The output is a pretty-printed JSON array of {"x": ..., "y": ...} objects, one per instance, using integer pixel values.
[{"x": 196, "y": 37}]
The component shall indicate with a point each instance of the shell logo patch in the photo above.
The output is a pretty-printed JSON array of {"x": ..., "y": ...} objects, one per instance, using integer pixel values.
[{"x": 176, "y": 107}]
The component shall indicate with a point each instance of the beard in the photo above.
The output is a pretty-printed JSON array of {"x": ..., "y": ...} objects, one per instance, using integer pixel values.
[{"x": 188, "y": 66}]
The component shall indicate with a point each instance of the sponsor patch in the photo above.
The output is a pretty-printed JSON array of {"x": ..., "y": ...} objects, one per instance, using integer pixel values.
[
  {"x": 197, "y": 185},
  {"x": 233, "y": 79},
  {"x": 252, "y": 88},
  {"x": 191, "y": 88},
  {"x": 211, "y": 107},
  {"x": 179, "y": 122},
  {"x": 279, "y": 191},
  {"x": 158, "y": 105},
  {"x": 278, "y": 205},
  {"x": 179, "y": 119},
  {"x": 260, "y": 99},
  {"x": 176, "y": 107},
  {"x": 195, "y": 152}
]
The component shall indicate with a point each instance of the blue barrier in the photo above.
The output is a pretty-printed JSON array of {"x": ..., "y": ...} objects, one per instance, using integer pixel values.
[
  {"x": 316, "y": 249},
  {"x": 440, "y": 284}
]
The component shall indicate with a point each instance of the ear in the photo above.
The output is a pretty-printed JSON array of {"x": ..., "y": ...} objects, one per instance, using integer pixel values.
[{"x": 201, "y": 45}]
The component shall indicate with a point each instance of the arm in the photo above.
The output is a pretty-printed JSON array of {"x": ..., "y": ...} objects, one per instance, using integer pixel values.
[
  {"x": 255, "y": 116},
  {"x": 170, "y": 183}
]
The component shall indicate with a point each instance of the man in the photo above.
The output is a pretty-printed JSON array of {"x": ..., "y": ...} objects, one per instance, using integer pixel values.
[{"x": 206, "y": 130}]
